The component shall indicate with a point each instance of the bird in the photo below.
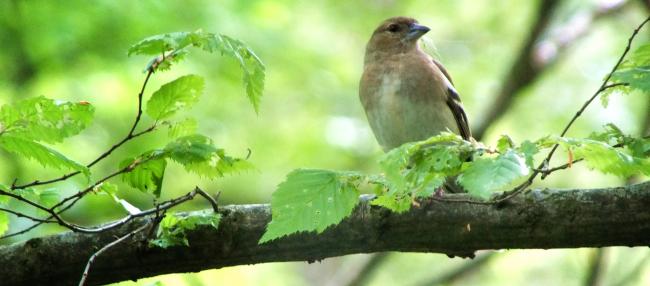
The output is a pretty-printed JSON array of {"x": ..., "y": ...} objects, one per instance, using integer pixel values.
[{"x": 406, "y": 94}]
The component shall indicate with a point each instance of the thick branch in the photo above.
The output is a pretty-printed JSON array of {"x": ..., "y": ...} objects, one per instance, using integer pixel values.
[{"x": 540, "y": 219}]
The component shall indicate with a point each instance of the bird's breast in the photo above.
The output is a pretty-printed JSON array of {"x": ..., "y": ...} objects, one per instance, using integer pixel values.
[{"x": 402, "y": 106}]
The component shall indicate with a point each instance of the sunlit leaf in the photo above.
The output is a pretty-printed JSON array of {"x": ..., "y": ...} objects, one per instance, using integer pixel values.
[
  {"x": 396, "y": 203},
  {"x": 172, "y": 230},
  {"x": 191, "y": 149},
  {"x": 44, "y": 155},
  {"x": 311, "y": 200},
  {"x": 146, "y": 176},
  {"x": 485, "y": 176},
  {"x": 185, "y": 127},
  {"x": 181, "y": 93},
  {"x": 172, "y": 46},
  {"x": 43, "y": 119}
]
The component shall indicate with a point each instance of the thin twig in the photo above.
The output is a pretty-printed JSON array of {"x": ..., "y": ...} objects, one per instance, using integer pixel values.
[
  {"x": 19, "y": 214},
  {"x": 92, "y": 258},
  {"x": 159, "y": 207},
  {"x": 603, "y": 87}
]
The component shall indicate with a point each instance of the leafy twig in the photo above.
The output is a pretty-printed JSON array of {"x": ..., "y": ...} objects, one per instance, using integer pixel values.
[
  {"x": 603, "y": 87},
  {"x": 131, "y": 135}
]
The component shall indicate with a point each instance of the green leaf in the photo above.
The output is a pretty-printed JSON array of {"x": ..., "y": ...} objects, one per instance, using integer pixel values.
[
  {"x": 158, "y": 44},
  {"x": 173, "y": 44},
  {"x": 219, "y": 166},
  {"x": 147, "y": 174},
  {"x": 44, "y": 155},
  {"x": 252, "y": 67},
  {"x": 640, "y": 57},
  {"x": 636, "y": 77},
  {"x": 635, "y": 71},
  {"x": 180, "y": 93},
  {"x": 422, "y": 166},
  {"x": 311, "y": 200},
  {"x": 191, "y": 149},
  {"x": 172, "y": 230},
  {"x": 504, "y": 143},
  {"x": 43, "y": 119},
  {"x": 396, "y": 203},
  {"x": 603, "y": 157},
  {"x": 485, "y": 176},
  {"x": 106, "y": 188},
  {"x": 610, "y": 160},
  {"x": 529, "y": 149},
  {"x": 182, "y": 128}
]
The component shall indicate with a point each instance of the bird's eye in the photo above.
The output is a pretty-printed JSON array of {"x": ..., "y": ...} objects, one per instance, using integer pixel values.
[{"x": 393, "y": 28}]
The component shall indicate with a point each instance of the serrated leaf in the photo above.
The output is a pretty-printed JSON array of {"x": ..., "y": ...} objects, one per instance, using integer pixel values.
[
  {"x": 158, "y": 44},
  {"x": 395, "y": 203},
  {"x": 147, "y": 176},
  {"x": 185, "y": 127},
  {"x": 218, "y": 167},
  {"x": 485, "y": 176},
  {"x": 421, "y": 166},
  {"x": 43, "y": 119},
  {"x": 178, "y": 94},
  {"x": 603, "y": 157},
  {"x": 635, "y": 71},
  {"x": 610, "y": 160},
  {"x": 253, "y": 69},
  {"x": 172, "y": 230},
  {"x": 191, "y": 149},
  {"x": 635, "y": 77},
  {"x": 311, "y": 200},
  {"x": 46, "y": 156}
]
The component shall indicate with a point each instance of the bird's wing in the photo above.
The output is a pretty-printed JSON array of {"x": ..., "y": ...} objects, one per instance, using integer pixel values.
[{"x": 455, "y": 105}]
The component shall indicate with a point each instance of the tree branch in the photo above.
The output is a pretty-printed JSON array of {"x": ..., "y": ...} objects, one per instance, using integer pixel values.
[{"x": 539, "y": 219}]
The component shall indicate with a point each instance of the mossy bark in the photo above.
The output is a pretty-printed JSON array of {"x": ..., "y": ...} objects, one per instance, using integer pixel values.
[{"x": 539, "y": 219}]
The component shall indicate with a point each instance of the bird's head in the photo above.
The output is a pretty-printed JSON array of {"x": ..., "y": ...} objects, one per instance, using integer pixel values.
[{"x": 396, "y": 35}]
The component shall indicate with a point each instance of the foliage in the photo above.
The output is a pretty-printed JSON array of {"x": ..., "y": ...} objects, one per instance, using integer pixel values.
[
  {"x": 178, "y": 94},
  {"x": 420, "y": 169},
  {"x": 25, "y": 124},
  {"x": 311, "y": 200},
  {"x": 173, "y": 228},
  {"x": 634, "y": 72},
  {"x": 174, "y": 45},
  {"x": 28, "y": 123}
]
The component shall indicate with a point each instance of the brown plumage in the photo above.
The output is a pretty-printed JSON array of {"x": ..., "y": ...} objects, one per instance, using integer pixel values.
[{"x": 407, "y": 95}]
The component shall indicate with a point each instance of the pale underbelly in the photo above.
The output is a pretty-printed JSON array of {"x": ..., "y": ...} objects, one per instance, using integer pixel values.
[{"x": 396, "y": 120}]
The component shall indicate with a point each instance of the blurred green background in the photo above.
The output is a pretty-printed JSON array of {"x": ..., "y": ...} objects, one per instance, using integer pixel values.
[{"x": 310, "y": 114}]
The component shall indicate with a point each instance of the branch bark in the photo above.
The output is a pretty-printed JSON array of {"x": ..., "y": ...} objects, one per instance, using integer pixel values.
[{"x": 539, "y": 219}]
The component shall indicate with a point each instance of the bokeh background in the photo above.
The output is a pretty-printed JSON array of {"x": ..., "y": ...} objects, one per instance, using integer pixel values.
[{"x": 310, "y": 114}]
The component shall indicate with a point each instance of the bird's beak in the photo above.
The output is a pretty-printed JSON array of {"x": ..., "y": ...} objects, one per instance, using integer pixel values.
[{"x": 416, "y": 31}]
